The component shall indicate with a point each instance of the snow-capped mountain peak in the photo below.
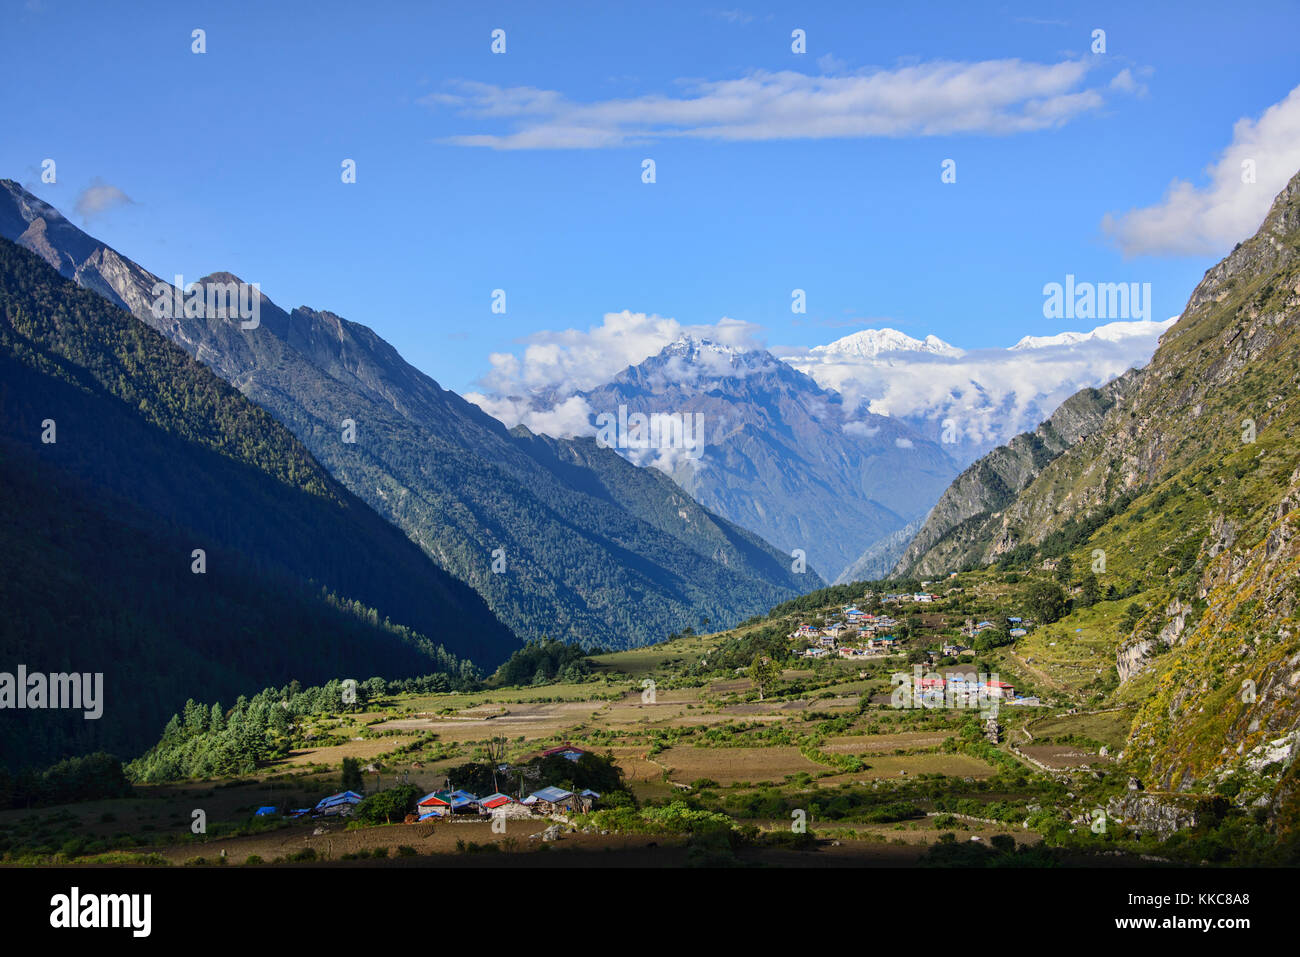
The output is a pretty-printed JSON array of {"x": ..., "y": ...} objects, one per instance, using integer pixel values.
[
  {"x": 694, "y": 348},
  {"x": 1110, "y": 332},
  {"x": 870, "y": 343}
]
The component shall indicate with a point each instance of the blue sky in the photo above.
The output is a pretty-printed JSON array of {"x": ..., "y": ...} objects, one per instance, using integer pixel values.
[{"x": 231, "y": 159}]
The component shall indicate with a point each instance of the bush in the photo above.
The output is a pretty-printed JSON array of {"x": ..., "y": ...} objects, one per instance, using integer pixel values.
[
  {"x": 615, "y": 799},
  {"x": 352, "y": 778},
  {"x": 1046, "y": 602},
  {"x": 87, "y": 778},
  {"x": 387, "y": 806}
]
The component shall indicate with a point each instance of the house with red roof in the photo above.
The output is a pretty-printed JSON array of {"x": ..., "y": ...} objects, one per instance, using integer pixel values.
[{"x": 432, "y": 805}]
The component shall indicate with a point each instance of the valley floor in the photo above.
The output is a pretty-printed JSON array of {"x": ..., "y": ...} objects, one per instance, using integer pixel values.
[{"x": 876, "y": 786}]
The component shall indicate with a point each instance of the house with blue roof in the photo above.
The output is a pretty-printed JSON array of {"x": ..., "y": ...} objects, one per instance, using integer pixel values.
[
  {"x": 337, "y": 804},
  {"x": 550, "y": 800}
]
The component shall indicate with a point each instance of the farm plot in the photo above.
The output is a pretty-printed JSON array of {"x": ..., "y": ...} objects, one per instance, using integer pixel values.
[
  {"x": 728, "y": 765},
  {"x": 530, "y": 721},
  {"x": 364, "y": 750},
  {"x": 877, "y": 743},
  {"x": 1110, "y": 728},
  {"x": 632, "y": 709},
  {"x": 904, "y": 765}
]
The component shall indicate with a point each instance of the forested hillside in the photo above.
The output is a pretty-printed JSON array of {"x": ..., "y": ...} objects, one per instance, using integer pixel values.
[{"x": 153, "y": 457}]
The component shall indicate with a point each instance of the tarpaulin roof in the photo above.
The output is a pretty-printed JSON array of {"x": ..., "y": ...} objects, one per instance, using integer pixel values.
[
  {"x": 343, "y": 797},
  {"x": 551, "y": 794}
]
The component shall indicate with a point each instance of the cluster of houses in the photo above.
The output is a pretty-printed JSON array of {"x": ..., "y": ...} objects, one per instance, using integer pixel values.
[
  {"x": 547, "y": 801},
  {"x": 959, "y": 689},
  {"x": 853, "y": 634},
  {"x": 957, "y": 685},
  {"x": 916, "y": 598},
  {"x": 453, "y": 803}
]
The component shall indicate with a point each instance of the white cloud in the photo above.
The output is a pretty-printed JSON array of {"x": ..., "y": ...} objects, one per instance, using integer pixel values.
[
  {"x": 903, "y": 443},
  {"x": 570, "y": 417},
  {"x": 861, "y": 428},
  {"x": 99, "y": 197},
  {"x": 570, "y": 360},
  {"x": 927, "y": 99},
  {"x": 1209, "y": 219}
]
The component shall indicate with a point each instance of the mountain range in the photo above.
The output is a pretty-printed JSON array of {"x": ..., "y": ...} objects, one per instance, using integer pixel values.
[
  {"x": 838, "y": 450},
  {"x": 780, "y": 455},
  {"x": 973, "y": 400},
  {"x": 561, "y": 538}
]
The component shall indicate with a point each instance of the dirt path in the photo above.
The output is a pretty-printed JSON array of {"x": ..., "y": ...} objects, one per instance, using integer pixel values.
[{"x": 1040, "y": 674}]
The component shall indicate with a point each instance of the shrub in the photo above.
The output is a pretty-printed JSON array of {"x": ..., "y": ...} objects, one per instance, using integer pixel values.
[{"x": 387, "y": 806}]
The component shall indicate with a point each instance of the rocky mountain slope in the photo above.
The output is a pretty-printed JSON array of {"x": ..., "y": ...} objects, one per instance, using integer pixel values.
[
  {"x": 963, "y": 527},
  {"x": 878, "y": 560},
  {"x": 780, "y": 455}
]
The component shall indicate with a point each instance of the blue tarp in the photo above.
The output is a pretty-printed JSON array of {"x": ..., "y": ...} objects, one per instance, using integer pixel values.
[
  {"x": 343, "y": 797},
  {"x": 552, "y": 794}
]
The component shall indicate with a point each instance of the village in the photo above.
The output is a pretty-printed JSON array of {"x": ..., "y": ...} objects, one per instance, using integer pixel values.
[
  {"x": 856, "y": 634},
  {"x": 458, "y": 804}
]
